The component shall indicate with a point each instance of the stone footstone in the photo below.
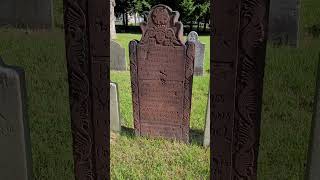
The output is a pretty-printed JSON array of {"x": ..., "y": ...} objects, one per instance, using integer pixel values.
[
  {"x": 115, "y": 124},
  {"x": 206, "y": 139},
  {"x": 15, "y": 151}
]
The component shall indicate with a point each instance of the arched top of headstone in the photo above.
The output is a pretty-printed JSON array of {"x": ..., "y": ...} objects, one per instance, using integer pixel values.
[
  {"x": 193, "y": 36},
  {"x": 162, "y": 27}
]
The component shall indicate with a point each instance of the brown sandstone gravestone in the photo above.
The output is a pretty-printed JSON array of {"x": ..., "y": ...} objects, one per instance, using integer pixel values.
[
  {"x": 15, "y": 151},
  {"x": 161, "y": 77}
]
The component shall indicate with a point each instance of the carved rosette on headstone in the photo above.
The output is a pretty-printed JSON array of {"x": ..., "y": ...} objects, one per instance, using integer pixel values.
[
  {"x": 15, "y": 151},
  {"x": 161, "y": 77},
  {"x": 199, "y": 56}
]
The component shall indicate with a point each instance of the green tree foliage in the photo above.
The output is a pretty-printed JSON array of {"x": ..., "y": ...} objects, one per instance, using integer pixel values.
[{"x": 190, "y": 10}]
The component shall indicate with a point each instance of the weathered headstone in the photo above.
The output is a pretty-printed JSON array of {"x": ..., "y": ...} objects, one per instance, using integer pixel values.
[
  {"x": 87, "y": 43},
  {"x": 238, "y": 42},
  {"x": 26, "y": 13},
  {"x": 161, "y": 77},
  {"x": 313, "y": 165},
  {"x": 113, "y": 34},
  {"x": 284, "y": 22},
  {"x": 115, "y": 124},
  {"x": 199, "y": 57},
  {"x": 117, "y": 57},
  {"x": 15, "y": 151},
  {"x": 206, "y": 138}
]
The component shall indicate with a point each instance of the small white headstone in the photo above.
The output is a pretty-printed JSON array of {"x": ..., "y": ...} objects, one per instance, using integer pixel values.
[
  {"x": 15, "y": 149},
  {"x": 199, "y": 57},
  {"x": 117, "y": 57},
  {"x": 115, "y": 124}
]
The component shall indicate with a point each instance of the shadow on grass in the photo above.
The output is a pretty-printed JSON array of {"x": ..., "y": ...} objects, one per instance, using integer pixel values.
[{"x": 196, "y": 135}]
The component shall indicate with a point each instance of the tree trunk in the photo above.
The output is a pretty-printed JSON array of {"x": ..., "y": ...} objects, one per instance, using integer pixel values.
[
  {"x": 198, "y": 27},
  {"x": 127, "y": 19},
  {"x": 205, "y": 23},
  {"x": 124, "y": 19},
  {"x": 191, "y": 26}
]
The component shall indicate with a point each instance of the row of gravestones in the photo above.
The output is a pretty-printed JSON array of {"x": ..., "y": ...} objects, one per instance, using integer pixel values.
[
  {"x": 159, "y": 91},
  {"x": 15, "y": 152},
  {"x": 118, "y": 58},
  {"x": 283, "y": 23}
]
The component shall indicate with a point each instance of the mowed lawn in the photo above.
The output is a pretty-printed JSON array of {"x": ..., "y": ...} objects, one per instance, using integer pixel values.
[
  {"x": 289, "y": 87},
  {"x": 138, "y": 158}
]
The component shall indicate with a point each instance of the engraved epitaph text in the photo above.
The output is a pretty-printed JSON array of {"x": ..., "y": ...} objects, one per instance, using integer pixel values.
[{"x": 161, "y": 75}]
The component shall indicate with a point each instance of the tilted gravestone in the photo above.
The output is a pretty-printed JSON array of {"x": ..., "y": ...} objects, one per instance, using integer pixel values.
[
  {"x": 206, "y": 138},
  {"x": 15, "y": 151},
  {"x": 24, "y": 13},
  {"x": 313, "y": 165},
  {"x": 115, "y": 124},
  {"x": 199, "y": 57},
  {"x": 284, "y": 22},
  {"x": 238, "y": 42},
  {"x": 117, "y": 57},
  {"x": 87, "y": 43},
  {"x": 161, "y": 77}
]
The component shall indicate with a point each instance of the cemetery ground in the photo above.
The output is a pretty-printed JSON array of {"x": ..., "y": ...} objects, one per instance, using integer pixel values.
[{"x": 286, "y": 116}]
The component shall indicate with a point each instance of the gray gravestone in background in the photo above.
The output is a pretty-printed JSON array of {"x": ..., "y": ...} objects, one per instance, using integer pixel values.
[
  {"x": 206, "y": 139},
  {"x": 113, "y": 34},
  {"x": 26, "y": 13},
  {"x": 199, "y": 58},
  {"x": 313, "y": 167},
  {"x": 115, "y": 124},
  {"x": 117, "y": 57},
  {"x": 15, "y": 151},
  {"x": 284, "y": 22}
]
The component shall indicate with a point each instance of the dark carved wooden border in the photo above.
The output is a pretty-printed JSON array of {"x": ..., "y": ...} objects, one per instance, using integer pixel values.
[
  {"x": 87, "y": 38},
  {"x": 238, "y": 42}
]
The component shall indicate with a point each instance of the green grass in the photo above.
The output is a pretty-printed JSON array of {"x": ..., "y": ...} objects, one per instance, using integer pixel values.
[
  {"x": 137, "y": 157},
  {"x": 289, "y": 86}
]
